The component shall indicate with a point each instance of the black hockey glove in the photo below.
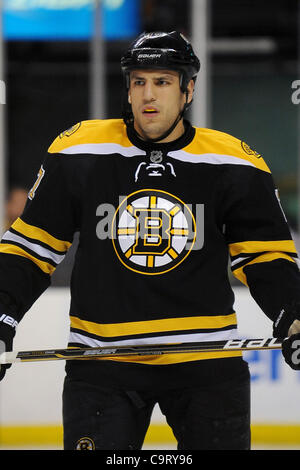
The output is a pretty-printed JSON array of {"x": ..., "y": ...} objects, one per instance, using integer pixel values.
[
  {"x": 8, "y": 326},
  {"x": 287, "y": 316},
  {"x": 287, "y": 328}
]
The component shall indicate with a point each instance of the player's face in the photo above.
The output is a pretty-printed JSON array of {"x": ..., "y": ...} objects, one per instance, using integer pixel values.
[{"x": 156, "y": 100}]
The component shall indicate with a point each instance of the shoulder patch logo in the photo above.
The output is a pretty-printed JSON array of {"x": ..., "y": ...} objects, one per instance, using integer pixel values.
[
  {"x": 70, "y": 131},
  {"x": 249, "y": 151},
  {"x": 153, "y": 231},
  {"x": 85, "y": 443}
]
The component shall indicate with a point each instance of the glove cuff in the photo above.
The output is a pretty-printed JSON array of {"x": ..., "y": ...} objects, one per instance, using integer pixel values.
[
  {"x": 9, "y": 321},
  {"x": 286, "y": 317}
]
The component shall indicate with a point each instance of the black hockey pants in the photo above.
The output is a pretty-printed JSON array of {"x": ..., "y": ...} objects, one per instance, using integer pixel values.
[{"x": 202, "y": 418}]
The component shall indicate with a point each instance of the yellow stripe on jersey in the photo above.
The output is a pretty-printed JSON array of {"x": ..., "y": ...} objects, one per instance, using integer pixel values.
[
  {"x": 166, "y": 359},
  {"x": 260, "y": 246},
  {"x": 264, "y": 258},
  {"x": 10, "y": 249},
  {"x": 41, "y": 235},
  {"x": 210, "y": 141},
  {"x": 154, "y": 326},
  {"x": 113, "y": 132},
  {"x": 95, "y": 131}
]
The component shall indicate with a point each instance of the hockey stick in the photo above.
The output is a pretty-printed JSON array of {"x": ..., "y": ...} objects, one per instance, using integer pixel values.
[{"x": 140, "y": 350}]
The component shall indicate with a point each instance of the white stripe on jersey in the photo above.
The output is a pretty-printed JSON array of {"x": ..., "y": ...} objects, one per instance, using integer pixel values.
[
  {"x": 239, "y": 260},
  {"x": 188, "y": 338},
  {"x": 39, "y": 250},
  {"x": 102, "y": 149},
  {"x": 211, "y": 158}
]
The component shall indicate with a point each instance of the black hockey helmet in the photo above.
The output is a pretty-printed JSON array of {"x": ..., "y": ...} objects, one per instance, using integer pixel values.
[
  {"x": 162, "y": 50},
  {"x": 165, "y": 51}
]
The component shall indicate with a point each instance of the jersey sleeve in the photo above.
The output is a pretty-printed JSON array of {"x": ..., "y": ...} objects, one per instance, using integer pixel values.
[
  {"x": 38, "y": 240},
  {"x": 262, "y": 251}
]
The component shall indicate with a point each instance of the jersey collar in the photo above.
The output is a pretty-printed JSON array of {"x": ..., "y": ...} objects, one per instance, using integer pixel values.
[{"x": 177, "y": 144}]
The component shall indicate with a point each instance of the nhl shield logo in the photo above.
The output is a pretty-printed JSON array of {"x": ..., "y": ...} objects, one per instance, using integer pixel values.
[{"x": 156, "y": 156}]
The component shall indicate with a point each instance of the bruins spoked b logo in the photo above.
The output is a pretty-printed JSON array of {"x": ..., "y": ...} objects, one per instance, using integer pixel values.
[{"x": 153, "y": 231}]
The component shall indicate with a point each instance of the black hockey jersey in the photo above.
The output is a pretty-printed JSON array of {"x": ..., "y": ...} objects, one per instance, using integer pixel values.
[{"x": 157, "y": 224}]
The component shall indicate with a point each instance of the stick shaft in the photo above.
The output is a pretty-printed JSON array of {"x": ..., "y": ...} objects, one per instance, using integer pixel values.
[{"x": 140, "y": 350}]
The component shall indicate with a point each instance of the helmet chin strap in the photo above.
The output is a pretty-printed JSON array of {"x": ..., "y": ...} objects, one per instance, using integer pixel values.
[{"x": 168, "y": 131}]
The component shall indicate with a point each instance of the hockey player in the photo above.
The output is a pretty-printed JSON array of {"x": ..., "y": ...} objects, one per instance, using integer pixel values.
[{"x": 159, "y": 206}]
